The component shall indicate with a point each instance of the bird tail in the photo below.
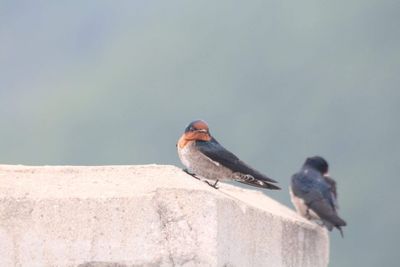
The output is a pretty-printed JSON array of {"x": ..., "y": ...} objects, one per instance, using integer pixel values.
[
  {"x": 260, "y": 184},
  {"x": 337, "y": 223},
  {"x": 340, "y": 230},
  {"x": 256, "y": 179},
  {"x": 339, "y": 226}
]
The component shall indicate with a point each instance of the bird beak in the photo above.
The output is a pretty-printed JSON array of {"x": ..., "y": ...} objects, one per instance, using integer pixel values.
[{"x": 202, "y": 131}]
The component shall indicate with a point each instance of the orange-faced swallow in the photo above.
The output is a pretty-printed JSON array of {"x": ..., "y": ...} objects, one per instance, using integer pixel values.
[
  {"x": 204, "y": 157},
  {"x": 314, "y": 194}
]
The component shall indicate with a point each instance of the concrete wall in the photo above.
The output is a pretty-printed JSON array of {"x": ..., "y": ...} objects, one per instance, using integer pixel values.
[{"x": 149, "y": 215}]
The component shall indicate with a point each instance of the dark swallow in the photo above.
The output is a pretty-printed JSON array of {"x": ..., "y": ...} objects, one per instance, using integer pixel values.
[
  {"x": 314, "y": 194},
  {"x": 205, "y": 158}
]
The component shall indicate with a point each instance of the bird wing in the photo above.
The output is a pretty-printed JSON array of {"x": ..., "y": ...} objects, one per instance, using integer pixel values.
[
  {"x": 333, "y": 190},
  {"x": 219, "y": 154},
  {"x": 332, "y": 183},
  {"x": 258, "y": 183},
  {"x": 315, "y": 192}
]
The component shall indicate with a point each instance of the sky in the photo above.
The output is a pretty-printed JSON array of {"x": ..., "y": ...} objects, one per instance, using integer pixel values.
[{"x": 103, "y": 83}]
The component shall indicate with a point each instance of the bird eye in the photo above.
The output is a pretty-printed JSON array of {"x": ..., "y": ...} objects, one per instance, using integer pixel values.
[{"x": 192, "y": 129}]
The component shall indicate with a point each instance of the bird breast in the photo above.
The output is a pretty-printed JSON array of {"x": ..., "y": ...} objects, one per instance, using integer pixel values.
[{"x": 201, "y": 165}]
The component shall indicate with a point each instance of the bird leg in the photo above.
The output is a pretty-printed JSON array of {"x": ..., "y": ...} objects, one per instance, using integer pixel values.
[
  {"x": 311, "y": 218},
  {"x": 213, "y": 185},
  {"x": 191, "y": 174},
  {"x": 194, "y": 176},
  {"x": 308, "y": 215}
]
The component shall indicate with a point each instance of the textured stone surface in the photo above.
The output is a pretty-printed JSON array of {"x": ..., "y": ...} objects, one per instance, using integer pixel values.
[{"x": 149, "y": 215}]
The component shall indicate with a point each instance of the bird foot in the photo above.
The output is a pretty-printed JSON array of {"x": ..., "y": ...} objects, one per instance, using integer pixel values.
[
  {"x": 308, "y": 215},
  {"x": 191, "y": 174},
  {"x": 212, "y": 185},
  {"x": 194, "y": 176}
]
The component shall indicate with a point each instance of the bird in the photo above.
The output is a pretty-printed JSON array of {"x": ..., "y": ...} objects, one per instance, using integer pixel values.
[
  {"x": 205, "y": 158},
  {"x": 314, "y": 194}
]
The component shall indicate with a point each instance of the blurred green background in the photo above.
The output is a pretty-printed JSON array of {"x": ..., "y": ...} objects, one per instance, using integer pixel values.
[{"x": 116, "y": 82}]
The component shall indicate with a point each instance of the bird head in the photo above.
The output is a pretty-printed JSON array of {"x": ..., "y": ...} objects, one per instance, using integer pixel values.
[
  {"x": 318, "y": 163},
  {"x": 196, "y": 130}
]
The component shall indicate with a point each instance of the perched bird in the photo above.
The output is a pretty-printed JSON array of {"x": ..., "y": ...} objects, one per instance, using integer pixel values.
[
  {"x": 314, "y": 193},
  {"x": 205, "y": 158}
]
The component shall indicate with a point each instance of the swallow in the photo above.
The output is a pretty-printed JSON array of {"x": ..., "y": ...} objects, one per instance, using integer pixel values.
[
  {"x": 314, "y": 194},
  {"x": 205, "y": 158}
]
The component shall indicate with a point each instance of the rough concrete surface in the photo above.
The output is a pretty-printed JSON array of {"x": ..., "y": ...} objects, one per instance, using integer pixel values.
[{"x": 148, "y": 215}]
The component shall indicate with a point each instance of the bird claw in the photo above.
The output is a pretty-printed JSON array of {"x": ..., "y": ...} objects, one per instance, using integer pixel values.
[
  {"x": 194, "y": 176},
  {"x": 212, "y": 185},
  {"x": 308, "y": 215},
  {"x": 191, "y": 174}
]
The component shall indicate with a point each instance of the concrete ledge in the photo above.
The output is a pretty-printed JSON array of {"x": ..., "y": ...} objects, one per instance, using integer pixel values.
[{"x": 150, "y": 215}]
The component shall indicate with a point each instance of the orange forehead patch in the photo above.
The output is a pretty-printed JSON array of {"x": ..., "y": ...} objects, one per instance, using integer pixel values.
[{"x": 200, "y": 125}]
